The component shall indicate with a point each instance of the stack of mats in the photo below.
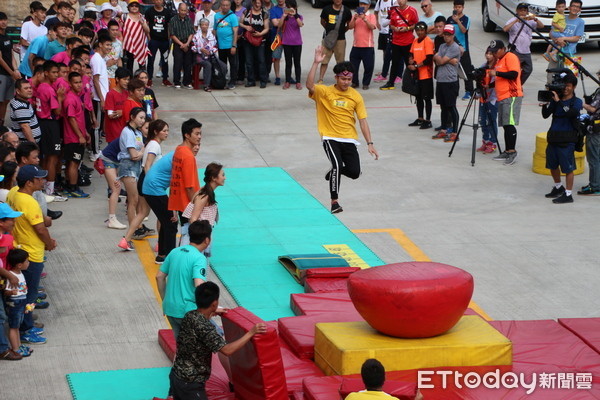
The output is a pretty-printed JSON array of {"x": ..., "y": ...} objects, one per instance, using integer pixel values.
[{"x": 264, "y": 213}]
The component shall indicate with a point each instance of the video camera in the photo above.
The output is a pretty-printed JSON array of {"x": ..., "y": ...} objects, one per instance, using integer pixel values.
[{"x": 556, "y": 85}]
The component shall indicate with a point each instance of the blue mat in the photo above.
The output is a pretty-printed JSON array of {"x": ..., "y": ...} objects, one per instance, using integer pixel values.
[
  {"x": 130, "y": 384},
  {"x": 264, "y": 213}
]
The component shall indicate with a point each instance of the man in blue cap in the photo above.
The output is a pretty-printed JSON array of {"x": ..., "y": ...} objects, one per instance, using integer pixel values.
[{"x": 33, "y": 236}]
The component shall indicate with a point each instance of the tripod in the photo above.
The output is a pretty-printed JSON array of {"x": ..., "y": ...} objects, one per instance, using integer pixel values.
[{"x": 474, "y": 124}]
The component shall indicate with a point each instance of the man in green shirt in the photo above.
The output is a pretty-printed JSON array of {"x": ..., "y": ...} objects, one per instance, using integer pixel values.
[{"x": 183, "y": 270}]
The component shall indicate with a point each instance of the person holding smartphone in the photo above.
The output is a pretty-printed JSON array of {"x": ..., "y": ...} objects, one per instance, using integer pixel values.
[{"x": 363, "y": 49}]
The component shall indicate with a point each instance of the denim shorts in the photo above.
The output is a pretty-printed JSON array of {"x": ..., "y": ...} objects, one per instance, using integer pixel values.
[
  {"x": 15, "y": 312},
  {"x": 129, "y": 168}
]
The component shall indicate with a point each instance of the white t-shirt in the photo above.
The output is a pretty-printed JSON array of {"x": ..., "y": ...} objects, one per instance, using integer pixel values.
[
  {"x": 382, "y": 7},
  {"x": 21, "y": 287},
  {"x": 30, "y": 31},
  {"x": 99, "y": 68},
  {"x": 3, "y": 194},
  {"x": 152, "y": 147},
  {"x": 210, "y": 17}
]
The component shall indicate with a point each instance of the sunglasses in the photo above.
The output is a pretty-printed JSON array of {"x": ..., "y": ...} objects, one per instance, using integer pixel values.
[{"x": 425, "y": 6}]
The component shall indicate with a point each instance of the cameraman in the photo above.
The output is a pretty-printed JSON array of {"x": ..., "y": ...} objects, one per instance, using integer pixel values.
[
  {"x": 592, "y": 145},
  {"x": 510, "y": 95},
  {"x": 562, "y": 137}
]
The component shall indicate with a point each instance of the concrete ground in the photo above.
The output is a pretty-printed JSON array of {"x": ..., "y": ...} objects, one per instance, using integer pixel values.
[{"x": 531, "y": 259}]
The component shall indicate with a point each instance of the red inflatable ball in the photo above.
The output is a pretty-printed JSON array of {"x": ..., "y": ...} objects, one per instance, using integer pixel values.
[{"x": 411, "y": 299}]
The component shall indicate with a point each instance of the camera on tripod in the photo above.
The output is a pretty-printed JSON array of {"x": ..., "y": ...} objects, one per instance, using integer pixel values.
[{"x": 556, "y": 85}]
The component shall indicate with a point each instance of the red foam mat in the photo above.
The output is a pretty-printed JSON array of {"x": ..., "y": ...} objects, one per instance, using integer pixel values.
[
  {"x": 587, "y": 329},
  {"x": 320, "y": 285},
  {"x": 296, "y": 369},
  {"x": 257, "y": 369},
  {"x": 166, "y": 340},
  {"x": 335, "y": 272},
  {"x": 299, "y": 332},
  {"x": 323, "y": 303},
  {"x": 547, "y": 343}
]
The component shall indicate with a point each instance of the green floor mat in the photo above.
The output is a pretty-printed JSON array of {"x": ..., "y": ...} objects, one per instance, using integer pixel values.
[
  {"x": 264, "y": 213},
  {"x": 130, "y": 384}
]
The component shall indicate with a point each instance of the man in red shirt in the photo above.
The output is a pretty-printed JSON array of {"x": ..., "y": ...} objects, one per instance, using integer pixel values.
[
  {"x": 48, "y": 103},
  {"x": 403, "y": 19},
  {"x": 75, "y": 135},
  {"x": 184, "y": 175}
]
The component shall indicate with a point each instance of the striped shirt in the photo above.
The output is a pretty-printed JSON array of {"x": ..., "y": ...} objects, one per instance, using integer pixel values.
[
  {"x": 181, "y": 28},
  {"x": 21, "y": 112}
]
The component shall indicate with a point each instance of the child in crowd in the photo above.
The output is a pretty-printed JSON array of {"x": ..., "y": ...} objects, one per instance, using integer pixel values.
[
  {"x": 16, "y": 302},
  {"x": 150, "y": 103},
  {"x": 559, "y": 23},
  {"x": 7, "y": 223},
  {"x": 461, "y": 33},
  {"x": 136, "y": 90},
  {"x": 488, "y": 110}
]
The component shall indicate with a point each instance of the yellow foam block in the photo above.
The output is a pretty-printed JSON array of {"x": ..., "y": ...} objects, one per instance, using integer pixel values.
[
  {"x": 347, "y": 254},
  {"x": 342, "y": 347},
  {"x": 539, "y": 165}
]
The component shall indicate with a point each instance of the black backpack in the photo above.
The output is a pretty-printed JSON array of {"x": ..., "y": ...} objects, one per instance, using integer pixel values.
[{"x": 219, "y": 73}]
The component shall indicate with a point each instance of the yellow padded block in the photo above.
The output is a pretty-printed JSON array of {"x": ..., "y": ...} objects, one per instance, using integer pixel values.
[
  {"x": 347, "y": 254},
  {"x": 342, "y": 347}
]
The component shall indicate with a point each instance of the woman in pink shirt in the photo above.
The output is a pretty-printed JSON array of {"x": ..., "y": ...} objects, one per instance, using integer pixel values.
[{"x": 363, "y": 49}]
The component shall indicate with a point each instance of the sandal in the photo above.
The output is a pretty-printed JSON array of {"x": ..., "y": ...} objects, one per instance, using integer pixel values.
[{"x": 24, "y": 351}]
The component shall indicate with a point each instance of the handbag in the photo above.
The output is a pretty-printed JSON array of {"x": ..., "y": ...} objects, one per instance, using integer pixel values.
[
  {"x": 253, "y": 40},
  {"x": 331, "y": 38}
]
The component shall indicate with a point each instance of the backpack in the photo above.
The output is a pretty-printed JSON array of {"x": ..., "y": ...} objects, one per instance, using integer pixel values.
[{"x": 219, "y": 73}]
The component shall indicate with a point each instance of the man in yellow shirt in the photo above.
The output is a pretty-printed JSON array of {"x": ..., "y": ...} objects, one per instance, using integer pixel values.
[
  {"x": 372, "y": 373},
  {"x": 33, "y": 236},
  {"x": 338, "y": 106}
]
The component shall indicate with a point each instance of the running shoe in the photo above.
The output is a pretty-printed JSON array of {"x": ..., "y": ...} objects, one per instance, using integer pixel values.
[
  {"x": 149, "y": 231},
  {"x": 491, "y": 147},
  {"x": 139, "y": 234},
  {"x": 41, "y": 304},
  {"x": 563, "y": 198},
  {"x": 34, "y": 331},
  {"x": 24, "y": 351},
  {"x": 336, "y": 208},
  {"x": 78, "y": 194},
  {"x": 466, "y": 97},
  {"x": 387, "y": 86},
  {"x": 511, "y": 159},
  {"x": 417, "y": 122},
  {"x": 440, "y": 135},
  {"x": 398, "y": 80},
  {"x": 58, "y": 197},
  {"x": 380, "y": 78},
  {"x": 483, "y": 146},
  {"x": 501, "y": 157},
  {"x": 159, "y": 260},
  {"x": 126, "y": 245},
  {"x": 166, "y": 82},
  {"x": 588, "y": 191},
  {"x": 555, "y": 192},
  {"x": 33, "y": 339}
]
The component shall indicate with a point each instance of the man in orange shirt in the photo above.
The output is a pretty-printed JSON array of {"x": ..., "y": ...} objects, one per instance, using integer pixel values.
[
  {"x": 510, "y": 96},
  {"x": 421, "y": 60},
  {"x": 184, "y": 175}
]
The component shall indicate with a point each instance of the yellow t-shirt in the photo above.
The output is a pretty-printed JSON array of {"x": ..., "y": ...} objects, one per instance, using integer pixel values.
[
  {"x": 336, "y": 111},
  {"x": 370, "y": 395},
  {"x": 560, "y": 20},
  {"x": 23, "y": 232}
]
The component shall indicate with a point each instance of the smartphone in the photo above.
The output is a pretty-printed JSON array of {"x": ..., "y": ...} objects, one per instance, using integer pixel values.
[
  {"x": 454, "y": 12},
  {"x": 289, "y": 10},
  {"x": 360, "y": 10}
]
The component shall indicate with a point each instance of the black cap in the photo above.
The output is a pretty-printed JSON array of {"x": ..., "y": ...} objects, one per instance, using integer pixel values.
[
  {"x": 495, "y": 45},
  {"x": 522, "y": 5}
]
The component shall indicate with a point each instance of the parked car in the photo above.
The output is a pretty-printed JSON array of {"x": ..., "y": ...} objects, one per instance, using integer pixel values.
[{"x": 495, "y": 16}]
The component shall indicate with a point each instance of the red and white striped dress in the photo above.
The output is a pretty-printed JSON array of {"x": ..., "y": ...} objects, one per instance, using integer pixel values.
[{"x": 135, "y": 40}]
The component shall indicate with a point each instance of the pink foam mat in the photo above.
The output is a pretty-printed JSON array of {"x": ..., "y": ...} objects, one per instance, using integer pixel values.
[
  {"x": 587, "y": 329},
  {"x": 323, "y": 303},
  {"x": 320, "y": 285}
]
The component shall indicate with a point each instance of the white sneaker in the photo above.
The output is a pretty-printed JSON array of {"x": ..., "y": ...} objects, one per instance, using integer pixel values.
[
  {"x": 114, "y": 223},
  {"x": 94, "y": 156},
  {"x": 49, "y": 199},
  {"x": 159, "y": 73},
  {"x": 58, "y": 198}
]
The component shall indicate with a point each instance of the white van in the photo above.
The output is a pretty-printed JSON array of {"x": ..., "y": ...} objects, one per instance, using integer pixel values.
[{"x": 495, "y": 16}]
